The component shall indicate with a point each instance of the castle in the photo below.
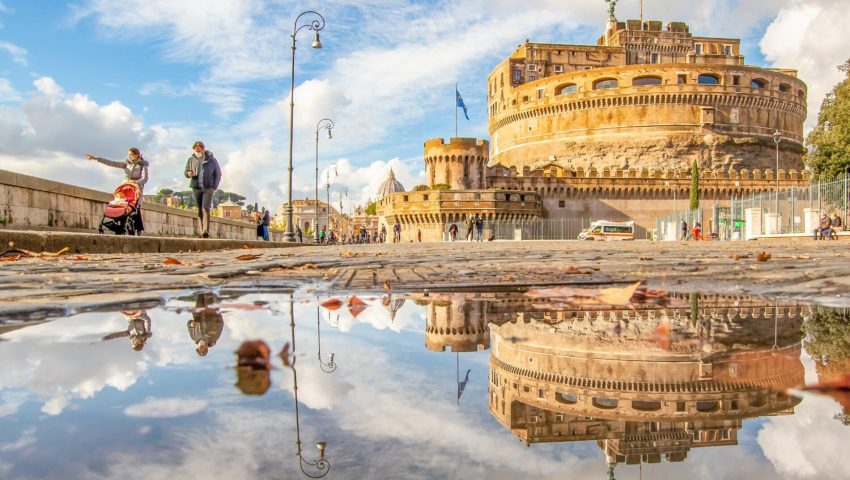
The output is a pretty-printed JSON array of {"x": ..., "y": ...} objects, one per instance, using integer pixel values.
[
  {"x": 610, "y": 131},
  {"x": 562, "y": 373}
]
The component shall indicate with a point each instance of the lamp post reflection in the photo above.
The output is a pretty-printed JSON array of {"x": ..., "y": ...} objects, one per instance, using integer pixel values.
[
  {"x": 320, "y": 466},
  {"x": 330, "y": 366}
]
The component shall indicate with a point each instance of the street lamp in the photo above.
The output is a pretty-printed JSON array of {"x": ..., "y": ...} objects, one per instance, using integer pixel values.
[
  {"x": 328, "y": 125},
  {"x": 330, "y": 366},
  {"x": 777, "y": 137},
  {"x": 328, "y": 186},
  {"x": 321, "y": 465},
  {"x": 316, "y": 24}
]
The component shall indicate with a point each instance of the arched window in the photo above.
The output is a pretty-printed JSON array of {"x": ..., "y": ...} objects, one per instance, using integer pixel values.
[
  {"x": 565, "y": 89},
  {"x": 646, "y": 405},
  {"x": 801, "y": 93},
  {"x": 784, "y": 88},
  {"x": 524, "y": 98},
  {"x": 758, "y": 83},
  {"x": 568, "y": 398},
  {"x": 707, "y": 406},
  {"x": 603, "y": 402},
  {"x": 646, "y": 81},
  {"x": 708, "y": 79},
  {"x": 605, "y": 83}
]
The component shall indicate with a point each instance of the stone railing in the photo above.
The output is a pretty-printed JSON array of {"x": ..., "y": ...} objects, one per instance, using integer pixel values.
[{"x": 35, "y": 203}]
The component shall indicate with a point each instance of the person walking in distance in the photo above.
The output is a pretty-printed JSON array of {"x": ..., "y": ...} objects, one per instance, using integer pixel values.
[
  {"x": 479, "y": 227},
  {"x": 470, "y": 227},
  {"x": 684, "y": 230},
  {"x": 299, "y": 234},
  {"x": 397, "y": 232},
  {"x": 453, "y": 232},
  {"x": 204, "y": 175},
  {"x": 135, "y": 170},
  {"x": 267, "y": 221}
]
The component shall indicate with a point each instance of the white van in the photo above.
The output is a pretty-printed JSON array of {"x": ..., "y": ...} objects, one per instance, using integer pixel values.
[{"x": 605, "y": 230}]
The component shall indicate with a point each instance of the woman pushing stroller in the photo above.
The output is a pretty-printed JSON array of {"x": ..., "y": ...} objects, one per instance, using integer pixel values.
[{"x": 136, "y": 171}]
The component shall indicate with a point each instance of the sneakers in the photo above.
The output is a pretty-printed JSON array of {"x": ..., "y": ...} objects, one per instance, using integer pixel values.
[{"x": 205, "y": 235}]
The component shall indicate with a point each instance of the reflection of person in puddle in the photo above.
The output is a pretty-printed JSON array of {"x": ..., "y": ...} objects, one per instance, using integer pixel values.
[
  {"x": 253, "y": 367},
  {"x": 138, "y": 329},
  {"x": 206, "y": 325}
]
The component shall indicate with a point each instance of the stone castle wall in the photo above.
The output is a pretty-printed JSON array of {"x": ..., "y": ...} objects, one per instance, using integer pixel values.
[
  {"x": 461, "y": 163},
  {"x": 569, "y": 120}
]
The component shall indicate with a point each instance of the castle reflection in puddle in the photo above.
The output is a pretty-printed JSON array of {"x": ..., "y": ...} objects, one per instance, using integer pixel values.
[{"x": 645, "y": 382}]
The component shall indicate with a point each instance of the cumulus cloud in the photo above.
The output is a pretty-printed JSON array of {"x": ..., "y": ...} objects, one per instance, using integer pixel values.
[
  {"x": 810, "y": 36},
  {"x": 7, "y": 92},
  {"x": 166, "y": 407}
]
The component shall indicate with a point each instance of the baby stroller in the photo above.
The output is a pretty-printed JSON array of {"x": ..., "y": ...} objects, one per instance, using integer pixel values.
[{"x": 119, "y": 212}]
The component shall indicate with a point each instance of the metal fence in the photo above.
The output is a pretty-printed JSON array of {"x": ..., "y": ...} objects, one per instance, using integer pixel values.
[
  {"x": 538, "y": 229},
  {"x": 788, "y": 211}
]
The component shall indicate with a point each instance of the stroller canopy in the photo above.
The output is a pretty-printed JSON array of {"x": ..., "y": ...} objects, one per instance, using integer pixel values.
[{"x": 130, "y": 191}]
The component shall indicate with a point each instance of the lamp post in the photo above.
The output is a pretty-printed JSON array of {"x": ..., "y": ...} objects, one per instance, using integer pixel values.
[
  {"x": 777, "y": 137},
  {"x": 316, "y": 24},
  {"x": 328, "y": 125},
  {"x": 328, "y": 186},
  {"x": 330, "y": 366},
  {"x": 321, "y": 465}
]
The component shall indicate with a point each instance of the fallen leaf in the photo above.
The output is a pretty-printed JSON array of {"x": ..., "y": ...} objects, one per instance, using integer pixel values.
[
  {"x": 356, "y": 310},
  {"x": 608, "y": 296},
  {"x": 763, "y": 256},
  {"x": 618, "y": 295},
  {"x": 645, "y": 258},
  {"x": 348, "y": 253},
  {"x": 62, "y": 251},
  {"x": 10, "y": 258},
  {"x": 284, "y": 355},
  {"x": 307, "y": 266},
  {"x": 355, "y": 301},
  {"x": 332, "y": 304},
  {"x": 662, "y": 336},
  {"x": 171, "y": 261},
  {"x": 245, "y": 247},
  {"x": 249, "y": 256}
]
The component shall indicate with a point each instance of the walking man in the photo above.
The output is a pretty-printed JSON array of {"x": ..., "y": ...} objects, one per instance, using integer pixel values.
[
  {"x": 299, "y": 234},
  {"x": 470, "y": 227},
  {"x": 266, "y": 224},
  {"x": 397, "y": 232},
  {"x": 479, "y": 226},
  {"x": 204, "y": 175},
  {"x": 684, "y": 230}
]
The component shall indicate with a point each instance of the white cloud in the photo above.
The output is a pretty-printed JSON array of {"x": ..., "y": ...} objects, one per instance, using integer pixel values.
[
  {"x": 8, "y": 93},
  {"x": 811, "y": 36},
  {"x": 18, "y": 54},
  {"x": 166, "y": 407}
]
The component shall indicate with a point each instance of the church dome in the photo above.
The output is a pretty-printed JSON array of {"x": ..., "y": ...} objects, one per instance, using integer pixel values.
[{"x": 390, "y": 186}]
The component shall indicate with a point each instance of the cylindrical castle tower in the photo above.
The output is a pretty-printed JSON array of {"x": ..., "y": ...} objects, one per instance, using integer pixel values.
[
  {"x": 456, "y": 323},
  {"x": 461, "y": 163}
]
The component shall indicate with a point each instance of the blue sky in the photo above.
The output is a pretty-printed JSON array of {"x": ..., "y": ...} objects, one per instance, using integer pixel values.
[{"x": 100, "y": 76}]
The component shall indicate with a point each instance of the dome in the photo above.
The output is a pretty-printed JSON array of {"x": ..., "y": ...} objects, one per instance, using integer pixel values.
[{"x": 390, "y": 186}]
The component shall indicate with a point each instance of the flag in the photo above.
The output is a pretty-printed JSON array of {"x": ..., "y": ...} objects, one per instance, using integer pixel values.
[
  {"x": 462, "y": 385},
  {"x": 460, "y": 103}
]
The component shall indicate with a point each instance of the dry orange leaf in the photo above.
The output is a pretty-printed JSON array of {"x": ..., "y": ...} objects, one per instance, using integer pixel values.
[
  {"x": 355, "y": 301},
  {"x": 171, "y": 261},
  {"x": 332, "y": 304},
  {"x": 763, "y": 256},
  {"x": 78, "y": 258},
  {"x": 10, "y": 258},
  {"x": 249, "y": 256},
  {"x": 307, "y": 266}
]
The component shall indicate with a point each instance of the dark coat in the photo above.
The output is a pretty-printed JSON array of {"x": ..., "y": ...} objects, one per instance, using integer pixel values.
[{"x": 211, "y": 172}]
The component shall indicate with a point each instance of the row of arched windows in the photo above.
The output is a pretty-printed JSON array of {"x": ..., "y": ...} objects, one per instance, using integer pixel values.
[{"x": 652, "y": 80}]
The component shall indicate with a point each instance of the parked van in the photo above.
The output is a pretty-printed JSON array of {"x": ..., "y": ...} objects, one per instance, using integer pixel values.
[{"x": 605, "y": 230}]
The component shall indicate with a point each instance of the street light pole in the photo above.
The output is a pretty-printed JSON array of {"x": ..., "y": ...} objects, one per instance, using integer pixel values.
[
  {"x": 328, "y": 125},
  {"x": 777, "y": 137},
  {"x": 328, "y": 186},
  {"x": 316, "y": 24}
]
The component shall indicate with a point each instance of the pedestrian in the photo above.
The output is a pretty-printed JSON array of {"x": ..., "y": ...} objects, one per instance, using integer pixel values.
[
  {"x": 697, "y": 232},
  {"x": 479, "y": 226},
  {"x": 204, "y": 175},
  {"x": 684, "y": 230},
  {"x": 822, "y": 231},
  {"x": 258, "y": 221},
  {"x": 322, "y": 235},
  {"x": 267, "y": 221},
  {"x": 383, "y": 234},
  {"x": 470, "y": 227},
  {"x": 135, "y": 170},
  {"x": 397, "y": 232},
  {"x": 419, "y": 235},
  {"x": 453, "y": 231},
  {"x": 299, "y": 234},
  {"x": 206, "y": 325}
]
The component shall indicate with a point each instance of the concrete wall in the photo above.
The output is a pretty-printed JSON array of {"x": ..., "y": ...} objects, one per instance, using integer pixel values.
[{"x": 35, "y": 203}]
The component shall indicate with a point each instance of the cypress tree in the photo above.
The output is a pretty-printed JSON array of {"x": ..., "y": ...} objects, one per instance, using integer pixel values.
[{"x": 695, "y": 186}]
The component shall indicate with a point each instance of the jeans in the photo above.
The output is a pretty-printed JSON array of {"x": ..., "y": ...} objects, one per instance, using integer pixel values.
[
  {"x": 266, "y": 233},
  {"x": 204, "y": 198}
]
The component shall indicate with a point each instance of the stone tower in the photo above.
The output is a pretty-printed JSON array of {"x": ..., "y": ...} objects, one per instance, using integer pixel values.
[
  {"x": 456, "y": 323},
  {"x": 461, "y": 163}
]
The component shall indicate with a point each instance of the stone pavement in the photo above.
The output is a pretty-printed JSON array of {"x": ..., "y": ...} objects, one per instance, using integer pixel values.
[{"x": 35, "y": 288}]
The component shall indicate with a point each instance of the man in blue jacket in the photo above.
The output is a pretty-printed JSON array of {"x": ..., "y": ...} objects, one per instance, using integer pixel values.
[{"x": 204, "y": 175}]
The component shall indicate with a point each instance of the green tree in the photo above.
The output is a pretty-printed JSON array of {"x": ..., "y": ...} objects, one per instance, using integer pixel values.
[
  {"x": 829, "y": 141},
  {"x": 420, "y": 188},
  {"x": 695, "y": 186},
  {"x": 371, "y": 209},
  {"x": 827, "y": 334},
  {"x": 441, "y": 186}
]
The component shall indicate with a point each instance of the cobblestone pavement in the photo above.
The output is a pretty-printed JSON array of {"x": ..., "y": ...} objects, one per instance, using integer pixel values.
[{"x": 34, "y": 288}]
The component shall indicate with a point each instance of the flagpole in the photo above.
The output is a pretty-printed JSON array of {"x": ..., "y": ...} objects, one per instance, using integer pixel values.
[
  {"x": 457, "y": 359},
  {"x": 456, "y": 110}
]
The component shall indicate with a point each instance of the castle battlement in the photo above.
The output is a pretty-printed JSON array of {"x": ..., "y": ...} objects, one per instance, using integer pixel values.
[{"x": 458, "y": 142}]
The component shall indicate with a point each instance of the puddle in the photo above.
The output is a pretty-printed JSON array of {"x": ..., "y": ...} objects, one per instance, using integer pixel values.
[{"x": 440, "y": 385}]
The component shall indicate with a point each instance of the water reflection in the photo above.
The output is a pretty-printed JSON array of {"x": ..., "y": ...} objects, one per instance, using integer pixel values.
[
  {"x": 138, "y": 329},
  {"x": 645, "y": 382},
  {"x": 207, "y": 324}
]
